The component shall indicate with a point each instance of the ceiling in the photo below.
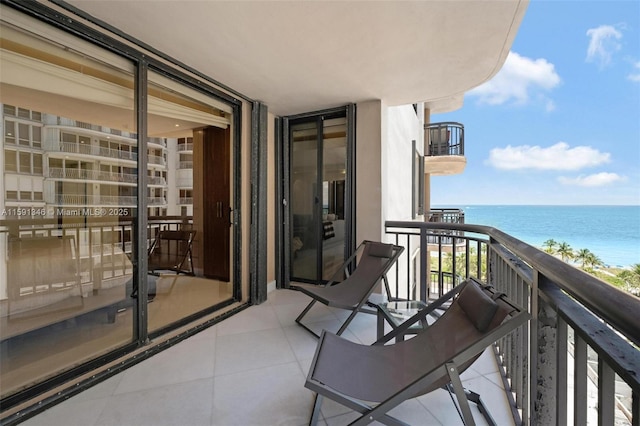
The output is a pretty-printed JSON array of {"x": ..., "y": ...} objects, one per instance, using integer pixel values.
[{"x": 299, "y": 56}]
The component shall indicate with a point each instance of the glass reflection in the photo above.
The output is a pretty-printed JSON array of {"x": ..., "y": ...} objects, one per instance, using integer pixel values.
[{"x": 69, "y": 196}]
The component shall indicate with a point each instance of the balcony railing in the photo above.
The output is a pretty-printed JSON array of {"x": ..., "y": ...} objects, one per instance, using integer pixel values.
[
  {"x": 59, "y": 173},
  {"x": 446, "y": 215},
  {"x": 446, "y": 138},
  {"x": 128, "y": 201},
  {"x": 156, "y": 159},
  {"x": 578, "y": 361},
  {"x": 76, "y": 148}
]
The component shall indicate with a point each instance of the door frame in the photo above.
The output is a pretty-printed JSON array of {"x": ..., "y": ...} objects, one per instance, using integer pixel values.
[{"x": 283, "y": 188}]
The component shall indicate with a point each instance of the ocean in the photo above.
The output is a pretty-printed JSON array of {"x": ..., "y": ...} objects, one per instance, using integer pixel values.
[{"x": 610, "y": 232}]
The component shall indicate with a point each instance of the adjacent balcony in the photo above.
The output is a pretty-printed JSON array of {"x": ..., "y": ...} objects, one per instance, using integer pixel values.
[
  {"x": 185, "y": 147},
  {"x": 94, "y": 150},
  {"x": 95, "y": 175},
  {"x": 444, "y": 148},
  {"x": 78, "y": 200}
]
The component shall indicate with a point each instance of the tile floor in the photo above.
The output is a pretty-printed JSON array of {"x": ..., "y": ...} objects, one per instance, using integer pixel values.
[{"x": 250, "y": 370}]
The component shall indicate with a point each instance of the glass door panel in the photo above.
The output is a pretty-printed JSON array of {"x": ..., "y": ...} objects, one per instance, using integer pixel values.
[
  {"x": 317, "y": 188},
  {"x": 304, "y": 202},
  {"x": 66, "y": 225},
  {"x": 190, "y": 258},
  {"x": 334, "y": 156}
]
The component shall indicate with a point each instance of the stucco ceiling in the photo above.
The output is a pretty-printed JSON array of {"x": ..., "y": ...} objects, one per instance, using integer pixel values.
[{"x": 299, "y": 56}]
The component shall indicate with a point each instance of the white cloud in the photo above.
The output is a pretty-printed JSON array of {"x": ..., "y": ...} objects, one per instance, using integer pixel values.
[
  {"x": 551, "y": 106},
  {"x": 556, "y": 157},
  {"x": 635, "y": 75},
  {"x": 598, "y": 179},
  {"x": 517, "y": 80},
  {"x": 603, "y": 42}
]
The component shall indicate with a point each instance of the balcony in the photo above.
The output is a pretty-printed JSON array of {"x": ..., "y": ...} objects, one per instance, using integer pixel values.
[
  {"x": 95, "y": 175},
  {"x": 185, "y": 147},
  {"x": 93, "y": 150},
  {"x": 444, "y": 148},
  {"x": 78, "y": 200},
  {"x": 576, "y": 362}
]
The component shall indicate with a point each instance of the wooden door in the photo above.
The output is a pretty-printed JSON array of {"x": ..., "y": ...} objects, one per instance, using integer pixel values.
[{"x": 216, "y": 203}]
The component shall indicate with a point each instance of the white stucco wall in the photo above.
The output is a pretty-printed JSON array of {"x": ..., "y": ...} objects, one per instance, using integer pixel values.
[
  {"x": 403, "y": 127},
  {"x": 384, "y": 156}
]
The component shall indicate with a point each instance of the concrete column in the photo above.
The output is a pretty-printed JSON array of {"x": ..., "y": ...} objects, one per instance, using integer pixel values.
[
  {"x": 368, "y": 192},
  {"x": 427, "y": 176},
  {"x": 545, "y": 378}
]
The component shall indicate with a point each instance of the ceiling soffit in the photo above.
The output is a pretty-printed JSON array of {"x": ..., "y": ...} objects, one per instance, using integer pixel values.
[{"x": 300, "y": 56}]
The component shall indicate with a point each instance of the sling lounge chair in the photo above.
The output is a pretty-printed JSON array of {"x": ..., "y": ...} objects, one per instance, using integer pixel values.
[
  {"x": 353, "y": 292},
  {"x": 374, "y": 379}
]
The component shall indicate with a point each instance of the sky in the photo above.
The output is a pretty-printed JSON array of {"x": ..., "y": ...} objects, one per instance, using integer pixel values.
[{"x": 560, "y": 122}]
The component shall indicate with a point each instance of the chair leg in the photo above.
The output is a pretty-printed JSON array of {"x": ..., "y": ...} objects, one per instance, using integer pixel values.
[
  {"x": 347, "y": 322},
  {"x": 303, "y": 313},
  {"x": 315, "y": 414},
  {"x": 475, "y": 398},
  {"x": 463, "y": 403}
]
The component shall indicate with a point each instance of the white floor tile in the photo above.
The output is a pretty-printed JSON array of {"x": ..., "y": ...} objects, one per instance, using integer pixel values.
[
  {"x": 189, "y": 360},
  {"x": 250, "y": 370},
  {"x": 255, "y": 318},
  {"x": 248, "y": 351},
  {"x": 182, "y": 404},
  {"x": 266, "y": 396}
]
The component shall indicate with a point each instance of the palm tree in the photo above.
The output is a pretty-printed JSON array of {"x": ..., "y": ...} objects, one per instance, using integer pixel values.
[
  {"x": 631, "y": 279},
  {"x": 594, "y": 260},
  {"x": 550, "y": 245},
  {"x": 565, "y": 251},
  {"x": 583, "y": 256}
]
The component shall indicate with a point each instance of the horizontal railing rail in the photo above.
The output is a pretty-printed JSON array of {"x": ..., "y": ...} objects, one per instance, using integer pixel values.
[{"x": 578, "y": 321}]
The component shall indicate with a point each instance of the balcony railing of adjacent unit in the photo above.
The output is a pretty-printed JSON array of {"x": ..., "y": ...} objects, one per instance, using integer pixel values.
[
  {"x": 156, "y": 180},
  {"x": 446, "y": 215},
  {"x": 76, "y": 148},
  {"x": 158, "y": 141},
  {"x": 58, "y": 173},
  {"x": 128, "y": 201},
  {"x": 445, "y": 236},
  {"x": 446, "y": 138},
  {"x": 577, "y": 362},
  {"x": 186, "y": 200},
  {"x": 155, "y": 159},
  {"x": 185, "y": 147}
]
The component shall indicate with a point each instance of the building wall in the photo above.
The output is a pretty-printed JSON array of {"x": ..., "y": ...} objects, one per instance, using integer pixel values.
[
  {"x": 369, "y": 220},
  {"x": 403, "y": 127}
]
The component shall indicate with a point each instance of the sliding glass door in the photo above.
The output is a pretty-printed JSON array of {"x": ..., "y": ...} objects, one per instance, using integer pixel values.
[{"x": 318, "y": 189}]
